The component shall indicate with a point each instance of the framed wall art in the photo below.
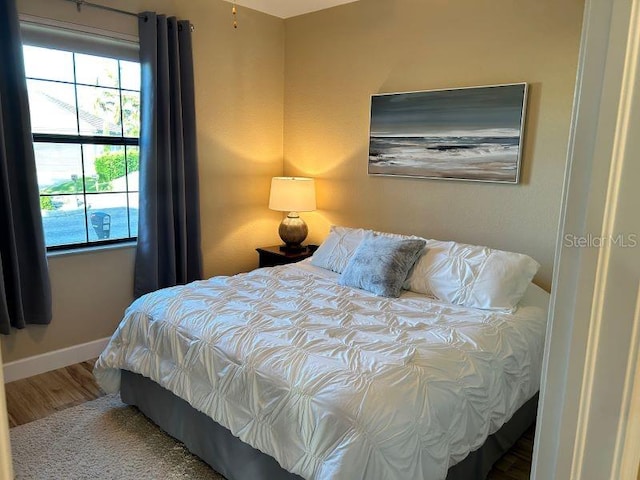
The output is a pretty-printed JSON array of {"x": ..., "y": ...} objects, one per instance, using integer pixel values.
[{"x": 472, "y": 133}]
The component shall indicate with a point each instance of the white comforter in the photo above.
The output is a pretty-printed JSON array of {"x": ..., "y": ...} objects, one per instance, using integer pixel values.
[{"x": 333, "y": 382}]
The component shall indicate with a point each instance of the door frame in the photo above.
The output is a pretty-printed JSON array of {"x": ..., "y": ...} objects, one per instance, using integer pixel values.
[
  {"x": 591, "y": 351},
  {"x": 6, "y": 463}
]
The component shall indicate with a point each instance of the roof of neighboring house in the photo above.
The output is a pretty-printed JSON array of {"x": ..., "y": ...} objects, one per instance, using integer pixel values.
[{"x": 48, "y": 106}]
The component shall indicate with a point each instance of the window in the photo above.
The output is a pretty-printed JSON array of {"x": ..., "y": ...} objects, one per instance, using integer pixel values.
[{"x": 85, "y": 118}]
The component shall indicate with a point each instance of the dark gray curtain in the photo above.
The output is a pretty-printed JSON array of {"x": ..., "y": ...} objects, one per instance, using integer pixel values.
[
  {"x": 25, "y": 292},
  {"x": 168, "y": 251}
]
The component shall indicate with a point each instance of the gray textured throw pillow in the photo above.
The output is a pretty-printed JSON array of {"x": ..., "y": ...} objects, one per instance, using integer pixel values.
[{"x": 381, "y": 264}]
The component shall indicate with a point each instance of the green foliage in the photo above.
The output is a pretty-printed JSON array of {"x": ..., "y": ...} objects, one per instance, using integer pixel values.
[
  {"x": 112, "y": 106},
  {"x": 111, "y": 165},
  {"x": 76, "y": 186},
  {"x": 46, "y": 203}
]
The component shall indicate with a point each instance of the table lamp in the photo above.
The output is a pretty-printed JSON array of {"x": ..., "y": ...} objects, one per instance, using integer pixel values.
[{"x": 293, "y": 195}]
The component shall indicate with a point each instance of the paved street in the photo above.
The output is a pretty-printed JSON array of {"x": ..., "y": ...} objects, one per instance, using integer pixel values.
[{"x": 68, "y": 226}]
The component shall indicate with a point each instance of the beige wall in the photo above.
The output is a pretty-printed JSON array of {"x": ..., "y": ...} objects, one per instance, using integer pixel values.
[
  {"x": 335, "y": 59},
  {"x": 239, "y": 92},
  {"x": 90, "y": 292}
]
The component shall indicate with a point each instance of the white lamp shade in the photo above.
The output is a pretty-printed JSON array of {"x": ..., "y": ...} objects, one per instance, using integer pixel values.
[{"x": 292, "y": 194}]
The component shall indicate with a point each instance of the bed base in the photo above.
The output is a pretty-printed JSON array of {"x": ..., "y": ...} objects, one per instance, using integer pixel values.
[{"x": 236, "y": 460}]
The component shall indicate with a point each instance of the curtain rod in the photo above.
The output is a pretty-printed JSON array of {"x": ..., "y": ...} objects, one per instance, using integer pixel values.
[{"x": 84, "y": 3}]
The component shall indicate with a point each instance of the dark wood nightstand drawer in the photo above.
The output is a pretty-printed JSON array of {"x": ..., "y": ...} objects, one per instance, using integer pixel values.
[{"x": 272, "y": 256}]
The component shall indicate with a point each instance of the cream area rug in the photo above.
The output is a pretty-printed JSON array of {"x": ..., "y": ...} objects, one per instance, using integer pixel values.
[{"x": 102, "y": 439}]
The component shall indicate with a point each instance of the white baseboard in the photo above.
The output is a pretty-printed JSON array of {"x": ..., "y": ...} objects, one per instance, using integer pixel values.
[{"x": 27, "y": 367}]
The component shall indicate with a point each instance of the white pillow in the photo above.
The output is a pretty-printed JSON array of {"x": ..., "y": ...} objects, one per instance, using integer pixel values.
[
  {"x": 338, "y": 248},
  {"x": 472, "y": 276}
]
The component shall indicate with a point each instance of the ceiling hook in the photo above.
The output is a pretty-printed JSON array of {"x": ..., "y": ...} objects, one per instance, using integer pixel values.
[{"x": 79, "y": 4}]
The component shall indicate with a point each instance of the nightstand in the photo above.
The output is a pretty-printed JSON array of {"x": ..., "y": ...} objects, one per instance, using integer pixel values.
[{"x": 272, "y": 256}]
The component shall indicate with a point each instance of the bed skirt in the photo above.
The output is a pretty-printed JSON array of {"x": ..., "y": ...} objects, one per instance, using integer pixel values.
[{"x": 236, "y": 460}]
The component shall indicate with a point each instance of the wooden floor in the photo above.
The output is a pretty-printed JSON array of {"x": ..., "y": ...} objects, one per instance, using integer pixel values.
[
  {"x": 516, "y": 463},
  {"x": 39, "y": 396}
]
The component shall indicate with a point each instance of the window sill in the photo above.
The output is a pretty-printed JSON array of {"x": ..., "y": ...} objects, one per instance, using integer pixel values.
[{"x": 90, "y": 250}]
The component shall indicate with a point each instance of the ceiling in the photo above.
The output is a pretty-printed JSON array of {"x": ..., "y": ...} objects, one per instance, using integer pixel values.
[{"x": 289, "y": 8}]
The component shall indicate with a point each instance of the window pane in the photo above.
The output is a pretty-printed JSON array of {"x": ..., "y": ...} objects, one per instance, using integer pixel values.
[
  {"x": 59, "y": 167},
  {"x": 104, "y": 168},
  {"x": 48, "y": 64},
  {"x": 107, "y": 216},
  {"x": 131, "y": 113},
  {"x": 99, "y": 71},
  {"x": 133, "y": 213},
  {"x": 99, "y": 111},
  {"x": 130, "y": 75},
  {"x": 63, "y": 219},
  {"x": 53, "y": 107},
  {"x": 133, "y": 167}
]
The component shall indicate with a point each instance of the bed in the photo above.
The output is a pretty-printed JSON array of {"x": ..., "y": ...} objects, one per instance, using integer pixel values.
[{"x": 283, "y": 373}]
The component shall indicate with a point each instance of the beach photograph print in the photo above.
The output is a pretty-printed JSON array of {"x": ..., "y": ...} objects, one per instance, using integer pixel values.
[{"x": 463, "y": 134}]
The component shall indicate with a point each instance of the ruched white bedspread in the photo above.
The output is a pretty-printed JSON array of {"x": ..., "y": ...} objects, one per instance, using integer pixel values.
[{"x": 334, "y": 382}]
